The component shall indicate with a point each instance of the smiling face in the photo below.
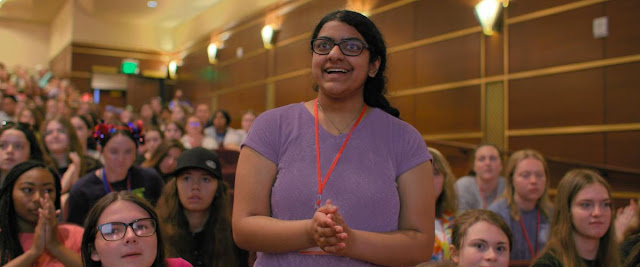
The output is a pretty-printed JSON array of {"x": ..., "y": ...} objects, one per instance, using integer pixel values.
[
  {"x": 591, "y": 211},
  {"x": 14, "y": 149},
  {"x": 29, "y": 188},
  {"x": 484, "y": 244},
  {"x": 196, "y": 189},
  {"x": 338, "y": 75},
  {"x": 131, "y": 250}
]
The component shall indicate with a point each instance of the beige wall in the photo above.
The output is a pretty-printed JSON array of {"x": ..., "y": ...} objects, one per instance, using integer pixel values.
[
  {"x": 212, "y": 20},
  {"x": 61, "y": 30},
  {"x": 23, "y": 43},
  {"x": 88, "y": 29}
]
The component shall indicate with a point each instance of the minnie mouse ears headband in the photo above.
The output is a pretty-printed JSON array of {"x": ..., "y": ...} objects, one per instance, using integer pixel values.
[{"x": 104, "y": 131}]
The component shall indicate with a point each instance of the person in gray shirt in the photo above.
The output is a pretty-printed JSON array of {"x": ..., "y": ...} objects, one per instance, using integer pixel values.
[
  {"x": 525, "y": 204},
  {"x": 486, "y": 184}
]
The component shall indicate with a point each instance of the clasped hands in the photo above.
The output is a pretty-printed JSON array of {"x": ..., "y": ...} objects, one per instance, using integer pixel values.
[
  {"x": 329, "y": 230},
  {"x": 46, "y": 231}
]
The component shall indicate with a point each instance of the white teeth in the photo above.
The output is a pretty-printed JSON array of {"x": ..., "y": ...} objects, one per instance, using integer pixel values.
[{"x": 337, "y": 70}]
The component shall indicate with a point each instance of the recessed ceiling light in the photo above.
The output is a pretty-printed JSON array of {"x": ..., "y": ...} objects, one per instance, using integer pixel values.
[{"x": 152, "y": 4}]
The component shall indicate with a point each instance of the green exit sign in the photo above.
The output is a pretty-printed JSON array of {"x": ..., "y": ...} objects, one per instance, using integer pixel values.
[{"x": 130, "y": 66}]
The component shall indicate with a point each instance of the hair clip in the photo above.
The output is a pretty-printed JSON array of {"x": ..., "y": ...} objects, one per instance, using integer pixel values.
[{"x": 104, "y": 131}]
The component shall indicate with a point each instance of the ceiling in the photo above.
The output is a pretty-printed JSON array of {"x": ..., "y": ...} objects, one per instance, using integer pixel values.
[
  {"x": 42, "y": 11},
  {"x": 168, "y": 13}
]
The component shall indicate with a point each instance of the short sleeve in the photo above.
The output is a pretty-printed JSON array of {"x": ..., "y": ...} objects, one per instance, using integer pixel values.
[
  {"x": 264, "y": 134},
  {"x": 412, "y": 150}
]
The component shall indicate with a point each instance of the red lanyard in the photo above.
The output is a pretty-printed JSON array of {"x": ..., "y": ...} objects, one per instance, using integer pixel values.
[
  {"x": 526, "y": 236},
  {"x": 321, "y": 182}
]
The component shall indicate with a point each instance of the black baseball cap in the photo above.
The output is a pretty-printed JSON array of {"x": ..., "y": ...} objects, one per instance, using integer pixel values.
[{"x": 199, "y": 158}]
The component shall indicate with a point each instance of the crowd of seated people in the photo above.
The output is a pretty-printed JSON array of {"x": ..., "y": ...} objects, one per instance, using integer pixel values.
[{"x": 63, "y": 166}]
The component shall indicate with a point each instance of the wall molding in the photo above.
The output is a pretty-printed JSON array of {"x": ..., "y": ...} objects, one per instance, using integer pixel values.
[
  {"x": 118, "y": 53},
  {"x": 581, "y": 129},
  {"x": 448, "y": 136},
  {"x": 553, "y": 11}
]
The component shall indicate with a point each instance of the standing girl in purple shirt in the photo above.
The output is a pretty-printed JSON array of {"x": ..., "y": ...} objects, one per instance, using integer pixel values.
[{"x": 338, "y": 180}]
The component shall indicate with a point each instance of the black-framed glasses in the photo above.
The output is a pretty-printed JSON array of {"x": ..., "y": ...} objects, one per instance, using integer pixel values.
[
  {"x": 115, "y": 231},
  {"x": 348, "y": 47}
]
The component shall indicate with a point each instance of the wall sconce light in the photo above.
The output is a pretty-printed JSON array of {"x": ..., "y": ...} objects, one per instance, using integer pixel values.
[
  {"x": 212, "y": 52},
  {"x": 488, "y": 14},
  {"x": 173, "y": 68},
  {"x": 268, "y": 36}
]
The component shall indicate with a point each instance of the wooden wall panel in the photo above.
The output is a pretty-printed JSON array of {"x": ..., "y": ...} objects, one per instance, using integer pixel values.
[
  {"x": 624, "y": 33},
  {"x": 448, "y": 61},
  {"x": 573, "y": 98},
  {"x": 450, "y": 111},
  {"x": 494, "y": 54},
  {"x": 85, "y": 62},
  {"x": 304, "y": 18},
  {"x": 622, "y": 94},
  {"x": 82, "y": 84},
  {"x": 61, "y": 64},
  {"x": 294, "y": 90},
  {"x": 292, "y": 57},
  {"x": 238, "y": 102},
  {"x": 250, "y": 70},
  {"x": 440, "y": 17},
  {"x": 249, "y": 39},
  {"x": 519, "y": 8},
  {"x": 579, "y": 147},
  {"x": 224, "y": 77},
  {"x": 459, "y": 159},
  {"x": 407, "y": 107},
  {"x": 396, "y": 25},
  {"x": 140, "y": 90},
  {"x": 623, "y": 149},
  {"x": 400, "y": 72},
  {"x": 555, "y": 40}
]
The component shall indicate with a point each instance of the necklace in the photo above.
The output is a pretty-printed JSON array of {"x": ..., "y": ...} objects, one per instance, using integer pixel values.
[{"x": 340, "y": 131}]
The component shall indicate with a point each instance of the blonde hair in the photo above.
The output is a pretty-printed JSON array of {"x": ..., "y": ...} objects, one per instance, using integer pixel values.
[
  {"x": 448, "y": 200},
  {"x": 561, "y": 243},
  {"x": 543, "y": 204}
]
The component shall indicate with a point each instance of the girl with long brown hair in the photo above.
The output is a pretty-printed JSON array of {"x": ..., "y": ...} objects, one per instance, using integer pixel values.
[
  {"x": 195, "y": 212},
  {"x": 582, "y": 233},
  {"x": 525, "y": 204}
]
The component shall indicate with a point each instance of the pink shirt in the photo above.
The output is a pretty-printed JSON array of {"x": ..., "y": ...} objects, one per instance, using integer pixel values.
[
  {"x": 178, "y": 262},
  {"x": 70, "y": 235}
]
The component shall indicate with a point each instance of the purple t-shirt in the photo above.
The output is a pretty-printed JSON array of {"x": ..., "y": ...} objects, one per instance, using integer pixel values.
[{"x": 363, "y": 183}]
